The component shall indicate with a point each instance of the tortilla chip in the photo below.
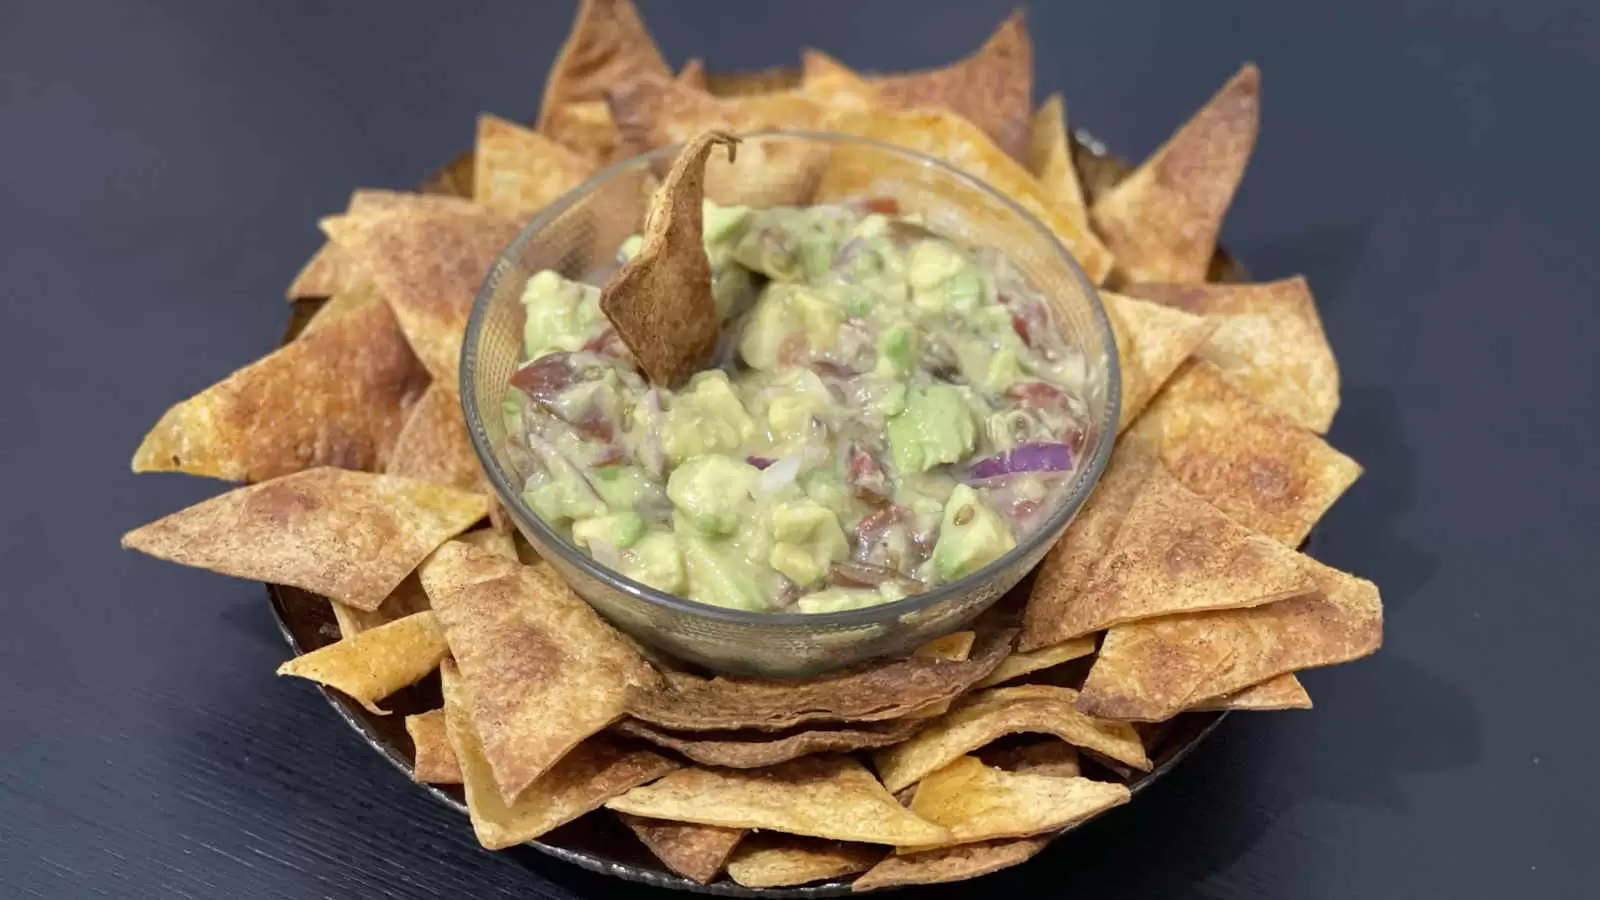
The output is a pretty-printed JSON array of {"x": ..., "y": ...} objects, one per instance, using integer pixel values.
[
  {"x": 607, "y": 46},
  {"x": 836, "y": 85},
  {"x": 982, "y": 717},
  {"x": 594, "y": 771},
  {"x": 693, "y": 74},
  {"x": 543, "y": 671},
  {"x": 496, "y": 542},
  {"x": 1161, "y": 222},
  {"x": 1151, "y": 670},
  {"x": 1021, "y": 663},
  {"x": 697, "y": 852},
  {"x": 758, "y": 81},
  {"x": 405, "y": 599},
  {"x": 867, "y": 693},
  {"x": 331, "y": 271},
  {"x": 1269, "y": 341},
  {"x": 588, "y": 130},
  {"x": 1280, "y": 692},
  {"x": 334, "y": 397},
  {"x": 956, "y": 645},
  {"x": 782, "y": 860},
  {"x": 352, "y": 536},
  {"x": 433, "y": 445},
  {"x": 519, "y": 172},
  {"x": 979, "y": 803},
  {"x": 453, "y": 179},
  {"x": 433, "y": 760},
  {"x": 755, "y": 749},
  {"x": 371, "y": 665},
  {"x": 956, "y": 863},
  {"x": 429, "y": 266},
  {"x": 821, "y": 796},
  {"x": 655, "y": 112},
  {"x": 1152, "y": 342},
  {"x": 1050, "y": 757},
  {"x": 946, "y": 136},
  {"x": 1262, "y": 470},
  {"x": 1050, "y": 160}
]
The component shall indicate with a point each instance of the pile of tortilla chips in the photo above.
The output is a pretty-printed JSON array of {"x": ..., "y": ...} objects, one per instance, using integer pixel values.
[{"x": 1179, "y": 588}]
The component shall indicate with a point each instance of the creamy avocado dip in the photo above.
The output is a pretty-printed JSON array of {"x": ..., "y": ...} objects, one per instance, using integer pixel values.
[{"x": 890, "y": 410}]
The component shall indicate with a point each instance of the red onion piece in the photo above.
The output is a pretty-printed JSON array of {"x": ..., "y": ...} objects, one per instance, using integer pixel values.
[{"x": 1031, "y": 457}]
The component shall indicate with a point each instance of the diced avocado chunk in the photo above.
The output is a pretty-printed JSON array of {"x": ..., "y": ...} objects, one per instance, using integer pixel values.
[
  {"x": 838, "y": 599},
  {"x": 809, "y": 538},
  {"x": 825, "y": 486},
  {"x": 722, "y": 225},
  {"x": 818, "y": 315},
  {"x": 707, "y": 417},
  {"x": 622, "y": 529},
  {"x": 655, "y": 560},
  {"x": 986, "y": 367},
  {"x": 789, "y": 414},
  {"x": 896, "y": 356},
  {"x": 560, "y": 314},
  {"x": 712, "y": 492},
  {"x": 936, "y": 427},
  {"x": 622, "y": 487},
  {"x": 565, "y": 496},
  {"x": 970, "y": 537},
  {"x": 769, "y": 324},
  {"x": 718, "y": 575}
]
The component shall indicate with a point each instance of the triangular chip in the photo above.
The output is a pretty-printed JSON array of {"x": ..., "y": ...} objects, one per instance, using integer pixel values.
[
  {"x": 784, "y": 860},
  {"x": 588, "y": 130},
  {"x": 593, "y": 772},
  {"x": 1050, "y": 160},
  {"x": 543, "y": 671},
  {"x": 332, "y": 271},
  {"x": 334, "y": 397},
  {"x": 697, "y": 852},
  {"x": 433, "y": 445},
  {"x": 1161, "y": 222},
  {"x": 956, "y": 645},
  {"x": 821, "y": 796},
  {"x": 429, "y": 266},
  {"x": 956, "y": 863},
  {"x": 655, "y": 112},
  {"x": 693, "y": 74},
  {"x": 1262, "y": 470},
  {"x": 982, "y": 717},
  {"x": 405, "y": 599},
  {"x": 433, "y": 760},
  {"x": 1025, "y": 662},
  {"x": 660, "y": 300},
  {"x": 755, "y": 81},
  {"x": 1280, "y": 692},
  {"x": 1269, "y": 341},
  {"x": 1151, "y": 670},
  {"x": 1152, "y": 342},
  {"x": 453, "y": 179},
  {"x": 374, "y": 664},
  {"x": 979, "y": 803},
  {"x": 607, "y": 46},
  {"x": 755, "y": 749},
  {"x": 348, "y": 535},
  {"x": 519, "y": 171}
]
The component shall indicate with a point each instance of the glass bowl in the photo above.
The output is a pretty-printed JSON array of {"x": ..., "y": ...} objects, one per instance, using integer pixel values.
[{"x": 578, "y": 235}]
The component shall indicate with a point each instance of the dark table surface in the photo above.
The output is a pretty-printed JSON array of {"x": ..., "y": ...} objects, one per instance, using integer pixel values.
[{"x": 1430, "y": 166}]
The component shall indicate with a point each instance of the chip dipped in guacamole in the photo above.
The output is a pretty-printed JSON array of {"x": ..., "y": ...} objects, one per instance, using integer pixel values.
[{"x": 887, "y": 410}]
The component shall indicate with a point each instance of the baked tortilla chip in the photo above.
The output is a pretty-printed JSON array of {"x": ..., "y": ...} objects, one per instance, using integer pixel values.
[
  {"x": 519, "y": 172},
  {"x": 985, "y": 716},
  {"x": 332, "y": 271},
  {"x": 831, "y": 797},
  {"x": 1026, "y": 662},
  {"x": 405, "y": 599},
  {"x": 979, "y": 803},
  {"x": 588, "y": 130},
  {"x": 433, "y": 445},
  {"x": 371, "y": 665},
  {"x": 335, "y": 397},
  {"x": 1050, "y": 757},
  {"x": 593, "y": 772},
  {"x": 453, "y": 179},
  {"x": 433, "y": 760},
  {"x": 697, "y": 852},
  {"x": 1269, "y": 341},
  {"x": 782, "y": 860},
  {"x": 429, "y": 266},
  {"x": 607, "y": 46},
  {"x": 755, "y": 749},
  {"x": 660, "y": 300},
  {"x": 956, "y": 645},
  {"x": 1152, "y": 342},
  {"x": 542, "y": 670},
  {"x": 757, "y": 81},
  {"x": 956, "y": 863},
  {"x": 1050, "y": 160},
  {"x": 1262, "y": 470},
  {"x": 1161, "y": 222},
  {"x": 1280, "y": 692},
  {"x": 948, "y": 137},
  {"x": 1151, "y": 670},
  {"x": 352, "y": 536},
  {"x": 693, "y": 74},
  {"x": 867, "y": 693}
]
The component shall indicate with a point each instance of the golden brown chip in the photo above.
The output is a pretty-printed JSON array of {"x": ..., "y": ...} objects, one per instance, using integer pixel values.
[
  {"x": 956, "y": 863},
  {"x": 755, "y": 749},
  {"x": 542, "y": 670},
  {"x": 782, "y": 860},
  {"x": 371, "y": 665},
  {"x": 1262, "y": 470},
  {"x": 821, "y": 796},
  {"x": 693, "y": 74},
  {"x": 1280, "y": 692},
  {"x": 519, "y": 172},
  {"x": 834, "y": 84},
  {"x": 979, "y": 803},
  {"x": 1161, "y": 222},
  {"x": 697, "y": 852},
  {"x": 946, "y": 136},
  {"x": 1151, "y": 670},
  {"x": 1269, "y": 341},
  {"x": 655, "y": 112},
  {"x": 982, "y": 717},
  {"x": 433, "y": 760},
  {"x": 334, "y": 397},
  {"x": 1050, "y": 160},
  {"x": 593, "y": 772},
  {"x": 332, "y": 271},
  {"x": 956, "y": 645},
  {"x": 607, "y": 46},
  {"x": 758, "y": 81},
  {"x": 453, "y": 179},
  {"x": 1021, "y": 662},
  {"x": 405, "y": 599},
  {"x": 588, "y": 130},
  {"x": 1050, "y": 757},
  {"x": 433, "y": 445},
  {"x": 496, "y": 542},
  {"x": 660, "y": 300},
  {"x": 429, "y": 266},
  {"x": 866, "y": 693},
  {"x": 352, "y": 536},
  {"x": 1152, "y": 342}
]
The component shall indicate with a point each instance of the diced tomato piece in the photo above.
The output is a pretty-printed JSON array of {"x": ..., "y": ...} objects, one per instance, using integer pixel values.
[{"x": 884, "y": 206}]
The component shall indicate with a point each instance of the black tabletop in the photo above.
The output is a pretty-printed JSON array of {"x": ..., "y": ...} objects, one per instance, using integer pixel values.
[{"x": 1431, "y": 167}]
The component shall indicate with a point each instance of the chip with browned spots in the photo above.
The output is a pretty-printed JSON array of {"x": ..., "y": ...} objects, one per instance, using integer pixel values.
[
  {"x": 543, "y": 671},
  {"x": 331, "y": 271},
  {"x": 518, "y": 171},
  {"x": 956, "y": 863},
  {"x": 453, "y": 179},
  {"x": 1161, "y": 222},
  {"x": 370, "y": 666},
  {"x": 433, "y": 760},
  {"x": 335, "y": 397},
  {"x": 405, "y": 599},
  {"x": 1262, "y": 470},
  {"x": 1047, "y": 757},
  {"x": 955, "y": 645},
  {"x": 697, "y": 852},
  {"x": 1152, "y": 342},
  {"x": 1269, "y": 340},
  {"x": 433, "y": 445},
  {"x": 754, "y": 81},
  {"x": 786, "y": 860},
  {"x": 655, "y": 112},
  {"x": 352, "y": 536},
  {"x": 980, "y": 803},
  {"x": 1279, "y": 692},
  {"x": 608, "y": 45},
  {"x": 1026, "y": 662},
  {"x": 752, "y": 749},
  {"x": 1050, "y": 159}
]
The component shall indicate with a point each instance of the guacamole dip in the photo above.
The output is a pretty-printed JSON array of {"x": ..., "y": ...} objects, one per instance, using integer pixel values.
[{"x": 890, "y": 410}]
